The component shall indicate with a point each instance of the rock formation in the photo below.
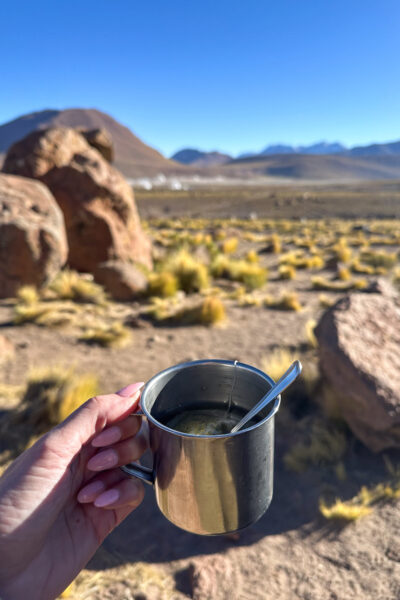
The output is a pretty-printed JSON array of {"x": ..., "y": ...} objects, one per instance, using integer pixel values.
[
  {"x": 359, "y": 341},
  {"x": 99, "y": 209},
  {"x": 33, "y": 244}
]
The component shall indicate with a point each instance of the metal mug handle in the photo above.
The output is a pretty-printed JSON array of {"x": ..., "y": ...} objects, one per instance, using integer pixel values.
[{"x": 135, "y": 469}]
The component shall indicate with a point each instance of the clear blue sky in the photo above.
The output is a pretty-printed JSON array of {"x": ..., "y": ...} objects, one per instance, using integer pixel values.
[{"x": 215, "y": 74}]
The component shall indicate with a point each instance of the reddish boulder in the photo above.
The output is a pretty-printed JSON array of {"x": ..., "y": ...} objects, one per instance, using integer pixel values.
[
  {"x": 98, "y": 204},
  {"x": 359, "y": 341},
  {"x": 33, "y": 244},
  {"x": 123, "y": 281}
]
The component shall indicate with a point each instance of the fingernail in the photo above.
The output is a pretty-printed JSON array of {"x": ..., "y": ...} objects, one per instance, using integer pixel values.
[
  {"x": 107, "y": 437},
  {"x": 130, "y": 390},
  {"x": 88, "y": 493},
  {"x": 103, "y": 460},
  {"x": 108, "y": 497}
]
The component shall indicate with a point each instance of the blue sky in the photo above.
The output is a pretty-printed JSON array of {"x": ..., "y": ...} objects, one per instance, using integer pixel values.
[{"x": 216, "y": 74}]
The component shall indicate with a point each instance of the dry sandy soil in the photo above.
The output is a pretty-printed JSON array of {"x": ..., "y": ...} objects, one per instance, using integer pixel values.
[{"x": 292, "y": 552}]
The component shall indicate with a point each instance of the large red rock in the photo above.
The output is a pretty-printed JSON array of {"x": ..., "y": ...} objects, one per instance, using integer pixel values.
[
  {"x": 359, "y": 343},
  {"x": 98, "y": 204},
  {"x": 33, "y": 243}
]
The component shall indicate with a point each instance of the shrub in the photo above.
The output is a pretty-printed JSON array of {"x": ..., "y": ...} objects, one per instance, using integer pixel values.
[
  {"x": 192, "y": 275},
  {"x": 287, "y": 272},
  {"x": 114, "y": 335},
  {"x": 163, "y": 285},
  {"x": 326, "y": 302},
  {"x": 28, "y": 295},
  {"x": 310, "y": 335},
  {"x": 210, "y": 311},
  {"x": 326, "y": 445},
  {"x": 252, "y": 275},
  {"x": 342, "y": 251},
  {"x": 52, "y": 394},
  {"x": 321, "y": 283},
  {"x": 70, "y": 285},
  {"x": 229, "y": 245},
  {"x": 252, "y": 257},
  {"x": 379, "y": 259},
  {"x": 343, "y": 511},
  {"x": 278, "y": 362},
  {"x": 288, "y": 301},
  {"x": 344, "y": 274}
]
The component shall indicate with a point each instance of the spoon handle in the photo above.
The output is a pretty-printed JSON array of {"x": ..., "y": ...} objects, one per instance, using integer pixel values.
[{"x": 287, "y": 378}]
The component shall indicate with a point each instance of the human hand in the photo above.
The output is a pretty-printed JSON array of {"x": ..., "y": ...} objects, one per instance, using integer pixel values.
[{"x": 60, "y": 498}]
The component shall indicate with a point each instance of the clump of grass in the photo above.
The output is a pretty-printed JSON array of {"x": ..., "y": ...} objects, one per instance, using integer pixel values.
[
  {"x": 229, "y": 245},
  {"x": 343, "y": 511},
  {"x": 326, "y": 445},
  {"x": 30, "y": 313},
  {"x": 287, "y": 272},
  {"x": 344, "y": 273},
  {"x": 250, "y": 300},
  {"x": 396, "y": 276},
  {"x": 252, "y": 257},
  {"x": 52, "y": 394},
  {"x": 321, "y": 283},
  {"x": 28, "y": 295},
  {"x": 162, "y": 285},
  {"x": 379, "y": 259},
  {"x": 252, "y": 275},
  {"x": 358, "y": 267},
  {"x": 310, "y": 335},
  {"x": 326, "y": 302},
  {"x": 341, "y": 251},
  {"x": 210, "y": 311},
  {"x": 70, "y": 285},
  {"x": 298, "y": 261},
  {"x": 276, "y": 243},
  {"x": 287, "y": 301},
  {"x": 278, "y": 362},
  {"x": 191, "y": 274},
  {"x": 114, "y": 335},
  {"x": 362, "y": 504}
]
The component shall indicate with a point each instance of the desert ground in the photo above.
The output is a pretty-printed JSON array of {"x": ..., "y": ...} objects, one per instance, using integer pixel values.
[{"x": 273, "y": 274}]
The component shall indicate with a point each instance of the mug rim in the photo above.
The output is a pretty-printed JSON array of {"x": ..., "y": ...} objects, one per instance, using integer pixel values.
[{"x": 184, "y": 365}]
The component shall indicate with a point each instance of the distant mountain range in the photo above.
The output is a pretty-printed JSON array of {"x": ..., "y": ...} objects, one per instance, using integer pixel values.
[
  {"x": 191, "y": 156},
  {"x": 132, "y": 156},
  {"x": 196, "y": 158},
  {"x": 321, "y": 161}
]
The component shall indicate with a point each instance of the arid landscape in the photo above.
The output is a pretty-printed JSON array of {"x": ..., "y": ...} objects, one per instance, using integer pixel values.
[{"x": 251, "y": 287}]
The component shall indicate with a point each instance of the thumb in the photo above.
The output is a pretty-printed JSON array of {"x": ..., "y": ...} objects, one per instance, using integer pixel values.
[{"x": 91, "y": 418}]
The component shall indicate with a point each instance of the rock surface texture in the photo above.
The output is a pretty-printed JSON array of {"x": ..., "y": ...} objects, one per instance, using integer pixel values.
[
  {"x": 123, "y": 281},
  {"x": 99, "y": 209},
  {"x": 359, "y": 341},
  {"x": 101, "y": 140},
  {"x": 33, "y": 243}
]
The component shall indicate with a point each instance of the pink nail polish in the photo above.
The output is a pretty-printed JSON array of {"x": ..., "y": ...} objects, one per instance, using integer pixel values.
[
  {"x": 107, "y": 437},
  {"x": 90, "y": 491},
  {"x": 107, "y": 498},
  {"x": 103, "y": 460},
  {"x": 130, "y": 390}
]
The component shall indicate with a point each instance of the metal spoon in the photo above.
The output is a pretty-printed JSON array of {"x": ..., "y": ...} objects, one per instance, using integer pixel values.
[{"x": 287, "y": 378}]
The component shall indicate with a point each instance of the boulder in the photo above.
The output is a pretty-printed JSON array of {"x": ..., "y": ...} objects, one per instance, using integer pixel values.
[
  {"x": 123, "y": 281},
  {"x": 358, "y": 345},
  {"x": 98, "y": 204},
  {"x": 33, "y": 243},
  {"x": 101, "y": 140}
]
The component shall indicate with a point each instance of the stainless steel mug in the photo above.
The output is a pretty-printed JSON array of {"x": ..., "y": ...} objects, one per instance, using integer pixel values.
[{"x": 206, "y": 484}]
